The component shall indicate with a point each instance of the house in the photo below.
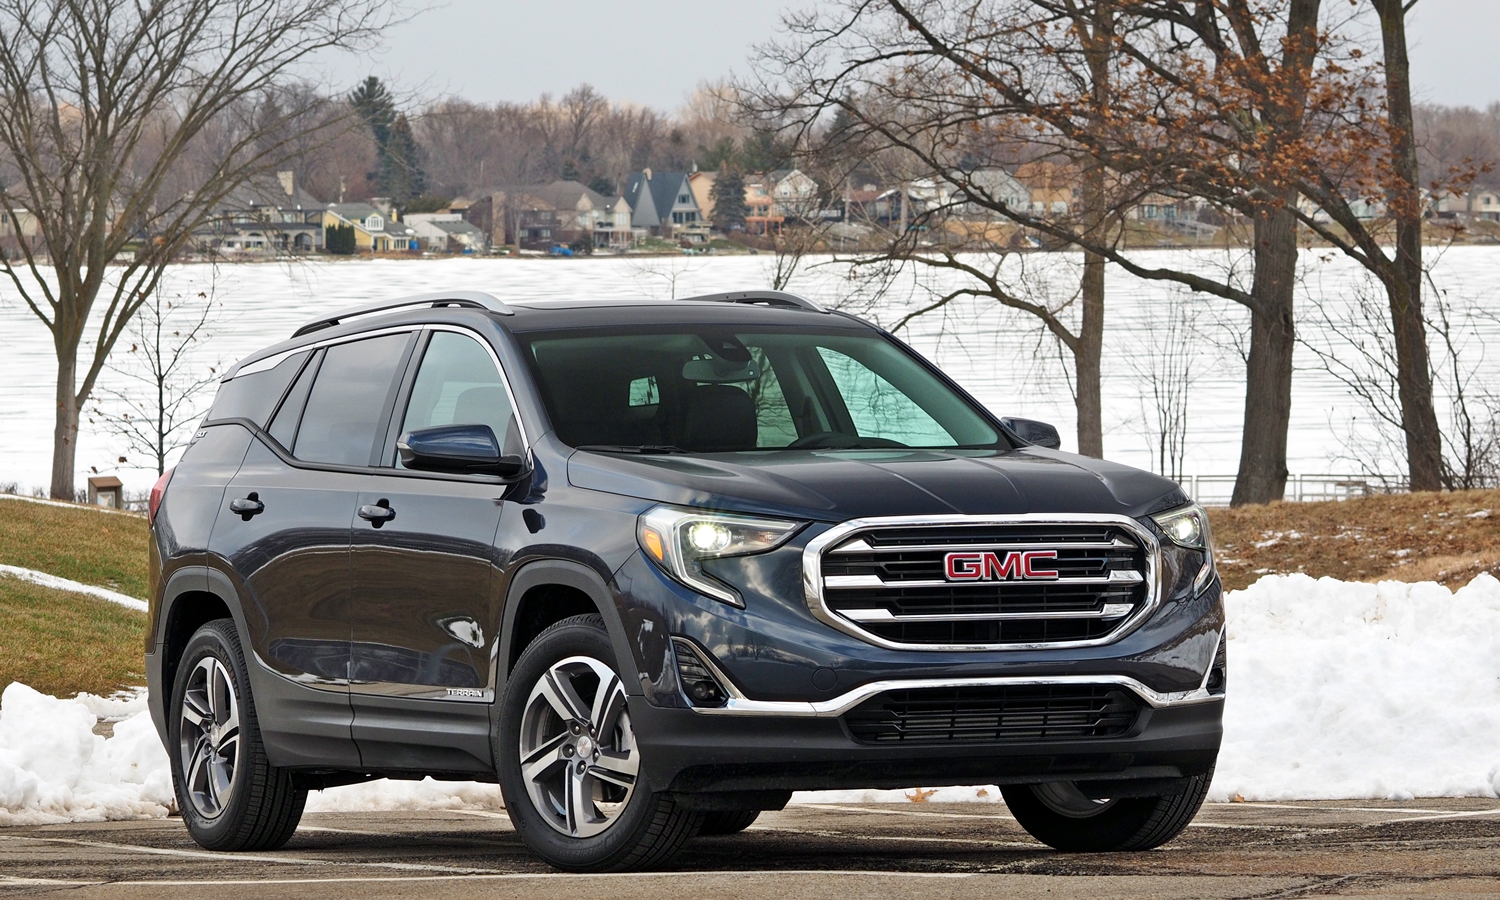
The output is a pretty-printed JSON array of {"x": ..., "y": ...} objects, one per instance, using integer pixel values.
[
  {"x": 445, "y": 232},
  {"x": 760, "y": 205},
  {"x": 1481, "y": 203},
  {"x": 1363, "y": 208},
  {"x": 991, "y": 184},
  {"x": 270, "y": 215},
  {"x": 795, "y": 194},
  {"x": 29, "y": 231},
  {"x": 536, "y": 216},
  {"x": 1053, "y": 186},
  {"x": 374, "y": 230},
  {"x": 702, "y": 184},
  {"x": 662, "y": 203},
  {"x": 613, "y": 228}
]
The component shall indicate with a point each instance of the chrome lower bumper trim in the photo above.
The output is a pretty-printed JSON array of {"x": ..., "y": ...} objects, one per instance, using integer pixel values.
[{"x": 740, "y": 705}]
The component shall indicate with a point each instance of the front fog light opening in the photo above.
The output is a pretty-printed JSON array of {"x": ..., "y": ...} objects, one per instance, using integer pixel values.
[{"x": 699, "y": 683}]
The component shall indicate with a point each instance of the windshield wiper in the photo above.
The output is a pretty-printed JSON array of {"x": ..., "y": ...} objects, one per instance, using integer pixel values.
[{"x": 631, "y": 448}]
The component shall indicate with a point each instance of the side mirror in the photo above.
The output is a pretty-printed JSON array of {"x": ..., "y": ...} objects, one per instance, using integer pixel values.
[
  {"x": 462, "y": 449},
  {"x": 1033, "y": 432}
]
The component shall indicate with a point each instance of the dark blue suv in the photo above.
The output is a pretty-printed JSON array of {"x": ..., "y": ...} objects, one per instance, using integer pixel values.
[{"x": 653, "y": 566}]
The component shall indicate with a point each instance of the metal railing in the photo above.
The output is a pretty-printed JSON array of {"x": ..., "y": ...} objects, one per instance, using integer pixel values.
[{"x": 1216, "y": 490}]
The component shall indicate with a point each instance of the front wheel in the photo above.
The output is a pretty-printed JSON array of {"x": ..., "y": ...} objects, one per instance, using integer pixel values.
[
  {"x": 569, "y": 761},
  {"x": 230, "y": 795},
  {"x": 1061, "y": 816}
]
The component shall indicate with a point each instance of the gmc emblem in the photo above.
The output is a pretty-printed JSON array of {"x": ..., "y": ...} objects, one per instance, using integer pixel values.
[{"x": 990, "y": 566}]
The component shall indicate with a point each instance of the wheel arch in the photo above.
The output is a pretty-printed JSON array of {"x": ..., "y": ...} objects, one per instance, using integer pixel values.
[
  {"x": 193, "y": 597},
  {"x": 547, "y": 591}
]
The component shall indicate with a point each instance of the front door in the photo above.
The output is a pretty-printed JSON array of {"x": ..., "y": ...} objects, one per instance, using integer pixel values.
[{"x": 424, "y": 607}]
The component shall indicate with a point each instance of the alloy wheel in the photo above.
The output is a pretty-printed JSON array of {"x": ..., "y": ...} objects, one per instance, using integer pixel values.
[
  {"x": 209, "y": 737},
  {"x": 579, "y": 758},
  {"x": 1065, "y": 799}
]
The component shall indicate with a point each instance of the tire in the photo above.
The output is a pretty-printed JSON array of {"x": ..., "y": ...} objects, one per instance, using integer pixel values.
[
  {"x": 1060, "y": 816},
  {"x": 230, "y": 795},
  {"x": 574, "y": 799},
  {"x": 728, "y": 821}
]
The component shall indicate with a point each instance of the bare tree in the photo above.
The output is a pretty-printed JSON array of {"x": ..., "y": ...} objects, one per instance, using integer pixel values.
[
  {"x": 1381, "y": 163},
  {"x": 1225, "y": 100},
  {"x": 163, "y": 388},
  {"x": 123, "y": 126},
  {"x": 1168, "y": 363}
]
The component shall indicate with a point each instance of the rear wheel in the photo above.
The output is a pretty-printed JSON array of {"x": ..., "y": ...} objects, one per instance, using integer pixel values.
[
  {"x": 569, "y": 761},
  {"x": 1061, "y": 816},
  {"x": 728, "y": 821},
  {"x": 230, "y": 795}
]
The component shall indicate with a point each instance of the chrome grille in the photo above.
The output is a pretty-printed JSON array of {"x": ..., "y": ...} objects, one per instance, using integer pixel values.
[{"x": 886, "y": 580}]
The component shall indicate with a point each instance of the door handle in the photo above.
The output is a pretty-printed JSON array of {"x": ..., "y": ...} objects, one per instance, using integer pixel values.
[
  {"x": 378, "y": 513},
  {"x": 246, "y": 507}
]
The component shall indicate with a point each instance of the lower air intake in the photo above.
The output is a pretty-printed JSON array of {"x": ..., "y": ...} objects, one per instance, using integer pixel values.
[{"x": 994, "y": 714}]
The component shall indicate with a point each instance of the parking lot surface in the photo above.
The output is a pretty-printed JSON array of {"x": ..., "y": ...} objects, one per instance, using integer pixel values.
[{"x": 1422, "y": 848}]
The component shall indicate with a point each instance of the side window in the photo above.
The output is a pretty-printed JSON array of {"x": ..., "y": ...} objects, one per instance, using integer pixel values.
[
  {"x": 348, "y": 400},
  {"x": 458, "y": 384},
  {"x": 284, "y": 425},
  {"x": 880, "y": 409},
  {"x": 254, "y": 396}
]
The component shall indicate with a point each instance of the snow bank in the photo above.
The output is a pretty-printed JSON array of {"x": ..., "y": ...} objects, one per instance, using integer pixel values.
[
  {"x": 1342, "y": 690},
  {"x": 1337, "y": 690},
  {"x": 53, "y": 768}
]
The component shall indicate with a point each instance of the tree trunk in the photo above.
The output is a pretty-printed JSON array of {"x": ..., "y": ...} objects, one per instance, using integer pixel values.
[
  {"x": 65, "y": 429},
  {"x": 1097, "y": 36},
  {"x": 1268, "y": 371},
  {"x": 1424, "y": 442},
  {"x": 1086, "y": 358}
]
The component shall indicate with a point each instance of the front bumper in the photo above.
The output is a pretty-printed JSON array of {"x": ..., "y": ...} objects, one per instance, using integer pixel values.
[
  {"x": 791, "y": 679},
  {"x": 691, "y": 753}
]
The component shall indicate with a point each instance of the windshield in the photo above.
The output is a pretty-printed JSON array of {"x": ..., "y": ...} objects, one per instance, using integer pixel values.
[{"x": 710, "y": 391}]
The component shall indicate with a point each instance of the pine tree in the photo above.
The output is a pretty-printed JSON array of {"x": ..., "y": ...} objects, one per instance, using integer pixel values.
[
  {"x": 728, "y": 194},
  {"x": 601, "y": 184},
  {"x": 404, "y": 179}
]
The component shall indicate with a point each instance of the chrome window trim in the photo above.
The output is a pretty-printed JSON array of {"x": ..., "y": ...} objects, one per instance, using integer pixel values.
[
  {"x": 740, "y": 705},
  {"x": 812, "y": 573},
  {"x": 271, "y": 362},
  {"x": 274, "y": 360}
]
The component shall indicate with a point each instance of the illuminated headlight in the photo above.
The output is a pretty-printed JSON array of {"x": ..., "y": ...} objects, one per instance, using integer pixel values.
[
  {"x": 1187, "y": 527},
  {"x": 679, "y": 540}
]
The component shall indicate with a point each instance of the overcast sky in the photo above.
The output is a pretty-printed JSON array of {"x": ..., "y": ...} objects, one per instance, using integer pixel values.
[{"x": 655, "y": 51}]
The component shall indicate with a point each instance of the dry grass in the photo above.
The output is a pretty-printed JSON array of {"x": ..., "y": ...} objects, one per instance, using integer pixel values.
[
  {"x": 99, "y": 548},
  {"x": 62, "y": 643},
  {"x": 1447, "y": 537}
]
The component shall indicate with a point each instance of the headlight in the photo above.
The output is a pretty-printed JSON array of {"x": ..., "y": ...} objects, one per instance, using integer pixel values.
[
  {"x": 1187, "y": 526},
  {"x": 679, "y": 540}
]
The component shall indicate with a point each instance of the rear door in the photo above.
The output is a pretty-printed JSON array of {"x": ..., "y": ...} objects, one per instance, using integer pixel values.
[
  {"x": 285, "y": 527},
  {"x": 424, "y": 604}
]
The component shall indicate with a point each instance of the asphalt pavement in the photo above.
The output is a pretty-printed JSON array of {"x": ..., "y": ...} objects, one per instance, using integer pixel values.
[{"x": 1422, "y": 848}]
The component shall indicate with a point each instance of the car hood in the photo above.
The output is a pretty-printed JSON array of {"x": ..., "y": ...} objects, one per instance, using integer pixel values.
[{"x": 837, "y": 485}]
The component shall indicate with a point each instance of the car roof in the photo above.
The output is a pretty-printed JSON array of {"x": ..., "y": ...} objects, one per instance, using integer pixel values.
[{"x": 522, "y": 316}]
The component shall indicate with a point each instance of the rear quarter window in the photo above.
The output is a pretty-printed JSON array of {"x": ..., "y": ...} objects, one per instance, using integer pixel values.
[{"x": 255, "y": 396}]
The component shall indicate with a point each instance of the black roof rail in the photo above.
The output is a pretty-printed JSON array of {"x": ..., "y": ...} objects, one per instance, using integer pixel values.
[
  {"x": 767, "y": 298},
  {"x": 470, "y": 299}
]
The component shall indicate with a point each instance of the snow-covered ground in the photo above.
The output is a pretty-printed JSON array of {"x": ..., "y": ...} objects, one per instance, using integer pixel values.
[
  {"x": 1337, "y": 690},
  {"x": 998, "y": 355}
]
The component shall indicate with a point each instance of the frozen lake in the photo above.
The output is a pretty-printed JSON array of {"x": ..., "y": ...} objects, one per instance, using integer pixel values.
[{"x": 1000, "y": 356}]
